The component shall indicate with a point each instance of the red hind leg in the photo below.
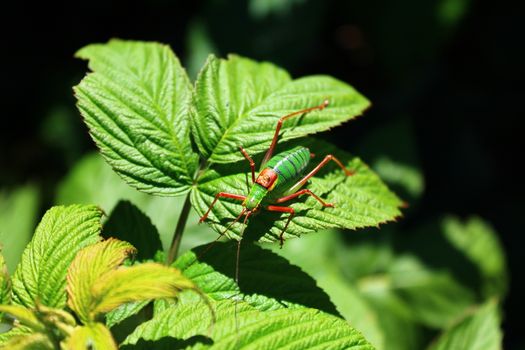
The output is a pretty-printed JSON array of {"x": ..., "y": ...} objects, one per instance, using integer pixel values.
[
  {"x": 326, "y": 159},
  {"x": 221, "y": 195},
  {"x": 301, "y": 192},
  {"x": 269, "y": 153},
  {"x": 282, "y": 210}
]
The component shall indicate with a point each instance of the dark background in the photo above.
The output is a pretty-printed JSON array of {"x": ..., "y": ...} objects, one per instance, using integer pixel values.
[{"x": 453, "y": 70}]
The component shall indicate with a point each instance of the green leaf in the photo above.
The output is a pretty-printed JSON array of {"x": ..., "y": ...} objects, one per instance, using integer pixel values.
[
  {"x": 93, "y": 336},
  {"x": 239, "y": 101},
  {"x": 266, "y": 280},
  {"x": 479, "y": 331},
  {"x": 18, "y": 217},
  {"x": 360, "y": 200},
  {"x": 129, "y": 223},
  {"x": 41, "y": 274},
  {"x": 480, "y": 243},
  {"x": 90, "y": 264},
  {"x": 239, "y": 325},
  {"x": 5, "y": 283},
  {"x": 136, "y": 107},
  {"x": 139, "y": 282}
]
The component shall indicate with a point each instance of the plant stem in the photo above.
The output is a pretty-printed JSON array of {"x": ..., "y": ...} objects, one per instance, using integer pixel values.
[{"x": 179, "y": 229}]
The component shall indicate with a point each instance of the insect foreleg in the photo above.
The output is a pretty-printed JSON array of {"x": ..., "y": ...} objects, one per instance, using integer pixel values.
[
  {"x": 301, "y": 192},
  {"x": 282, "y": 210},
  {"x": 326, "y": 159},
  {"x": 280, "y": 122},
  {"x": 221, "y": 195}
]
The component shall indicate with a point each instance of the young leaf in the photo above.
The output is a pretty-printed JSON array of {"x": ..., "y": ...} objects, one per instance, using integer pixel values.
[
  {"x": 239, "y": 325},
  {"x": 266, "y": 280},
  {"x": 479, "y": 331},
  {"x": 41, "y": 274},
  {"x": 93, "y": 336},
  {"x": 239, "y": 101},
  {"x": 129, "y": 223},
  {"x": 5, "y": 283},
  {"x": 88, "y": 266},
  {"x": 139, "y": 282},
  {"x": 135, "y": 104},
  {"x": 360, "y": 200}
]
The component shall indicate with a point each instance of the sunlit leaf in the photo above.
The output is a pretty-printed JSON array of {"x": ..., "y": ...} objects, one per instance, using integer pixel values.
[
  {"x": 90, "y": 264},
  {"x": 139, "y": 282},
  {"x": 238, "y": 102},
  {"x": 239, "y": 325},
  {"x": 62, "y": 232},
  {"x": 360, "y": 200},
  {"x": 136, "y": 105},
  {"x": 94, "y": 336}
]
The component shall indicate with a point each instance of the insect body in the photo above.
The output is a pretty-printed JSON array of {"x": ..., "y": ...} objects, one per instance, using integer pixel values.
[{"x": 280, "y": 179}]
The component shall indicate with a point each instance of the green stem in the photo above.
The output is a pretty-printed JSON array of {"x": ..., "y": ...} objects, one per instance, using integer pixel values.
[{"x": 177, "y": 235}]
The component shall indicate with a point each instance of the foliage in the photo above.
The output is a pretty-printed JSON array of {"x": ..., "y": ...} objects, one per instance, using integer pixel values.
[
  {"x": 85, "y": 269},
  {"x": 85, "y": 281}
]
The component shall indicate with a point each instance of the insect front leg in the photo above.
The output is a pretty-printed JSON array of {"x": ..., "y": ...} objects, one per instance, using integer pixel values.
[
  {"x": 221, "y": 195},
  {"x": 282, "y": 210},
  {"x": 249, "y": 159}
]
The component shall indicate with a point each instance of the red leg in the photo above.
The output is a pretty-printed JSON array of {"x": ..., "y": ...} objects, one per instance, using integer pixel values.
[
  {"x": 221, "y": 195},
  {"x": 269, "y": 153},
  {"x": 282, "y": 210},
  {"x": 326, "y": 159},
  {"x": 252, "y": 163},
  {"x": 301, "y": 192}
]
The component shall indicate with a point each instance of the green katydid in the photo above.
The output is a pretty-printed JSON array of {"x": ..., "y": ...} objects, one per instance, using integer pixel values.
[{"x": 280, "y": 179}]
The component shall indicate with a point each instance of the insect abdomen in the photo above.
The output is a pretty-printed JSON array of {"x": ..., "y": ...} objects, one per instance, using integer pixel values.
[{"x": 289, "y": 164}]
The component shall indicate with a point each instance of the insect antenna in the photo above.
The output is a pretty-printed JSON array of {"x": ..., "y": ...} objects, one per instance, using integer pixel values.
[
  {"x": 211, "y": 244},
  {"x": 237, "y": 259}
]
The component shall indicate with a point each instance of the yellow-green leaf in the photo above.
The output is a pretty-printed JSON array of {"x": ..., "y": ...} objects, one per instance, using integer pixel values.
[
  {"x": 139, "y": 282},
  {"x": 94, "y": 336},
  {"x": 89, "y": 265}
]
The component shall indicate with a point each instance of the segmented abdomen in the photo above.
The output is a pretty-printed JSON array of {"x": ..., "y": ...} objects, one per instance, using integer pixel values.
[{"x": 289, "y": 165}]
